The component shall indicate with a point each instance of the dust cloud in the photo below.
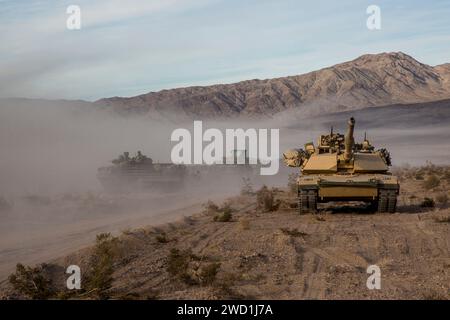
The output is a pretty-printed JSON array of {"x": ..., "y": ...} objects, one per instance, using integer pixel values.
[{"x": 51, "y": 201}]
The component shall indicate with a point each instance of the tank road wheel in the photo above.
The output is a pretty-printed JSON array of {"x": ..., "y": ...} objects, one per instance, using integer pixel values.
[
  {"x": 387, "y": 201},
  {"x": 392, "y": 201},
  {"x": 302, "y": 201},
  {"x": 312, "y": 201},
  {"x": 382, "y": 201},
  {"x": 307, "y": 201}
]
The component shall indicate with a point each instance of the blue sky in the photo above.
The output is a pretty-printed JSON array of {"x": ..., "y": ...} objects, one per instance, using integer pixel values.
[{"x": 125, "y": 48}]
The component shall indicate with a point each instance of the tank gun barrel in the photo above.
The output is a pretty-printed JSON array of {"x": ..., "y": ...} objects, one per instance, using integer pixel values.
[{"x": 349, "y": 140}]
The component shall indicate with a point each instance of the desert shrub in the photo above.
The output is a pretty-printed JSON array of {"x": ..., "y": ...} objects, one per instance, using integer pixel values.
[
  {"x": 442, "y": 199},
  {"x": 265, "y": 199},
  {"x": 431, "y": 182},
  {"x": 207, "y": 274},
  {"x": 427, "y": 203},
  {"x": 99, "y": 279},
  {"x": 293, "y": 232},
  {"x": 442, "y": 219},
  {"x": 31, "y": 282},
  {"x": 418, "y": 176},
  {"x": 446, "y": 175},
  {"x": 177, "y": 261},
  {"x": 185, "y": 266},
  {"x": 162, "y": 238},
  {"x": 226, "y": 208},
  {"x": 431, "y": 168},
  {"x": 224, "y": 213},
  {"x": 223, "y": 217},
  {"x": 247, "y": 187},
  {"x": 210, "y": 207},
  {"x": 292, "y": 183},
  {"x": 178, "y": 265}
]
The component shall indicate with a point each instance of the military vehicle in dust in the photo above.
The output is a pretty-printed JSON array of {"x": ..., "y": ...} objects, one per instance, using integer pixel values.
[
  {"x": 140, "y": 173},
  {"x": 338, "y": 169}
]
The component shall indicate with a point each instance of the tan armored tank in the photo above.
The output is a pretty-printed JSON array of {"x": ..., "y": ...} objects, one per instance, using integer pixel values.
[
  {"x": 140, "y": 173},
  {"x": 338, "y": 169}
]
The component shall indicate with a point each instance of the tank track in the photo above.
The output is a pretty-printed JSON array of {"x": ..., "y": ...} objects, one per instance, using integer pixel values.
[
  {"x": 307, "y": 201},
  {"x": 387, "y": 201}
]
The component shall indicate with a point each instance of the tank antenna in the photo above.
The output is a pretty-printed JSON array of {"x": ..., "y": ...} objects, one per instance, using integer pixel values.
[{"x": 331, "y": 131}]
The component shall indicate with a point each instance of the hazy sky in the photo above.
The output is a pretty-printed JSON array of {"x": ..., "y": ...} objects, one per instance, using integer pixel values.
[{"x": 126, "y": 48}]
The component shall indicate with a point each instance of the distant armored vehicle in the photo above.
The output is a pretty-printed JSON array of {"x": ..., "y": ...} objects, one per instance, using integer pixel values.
[
  {"x": 140, "y": 173},
  {"x": 338, "y": 169}
]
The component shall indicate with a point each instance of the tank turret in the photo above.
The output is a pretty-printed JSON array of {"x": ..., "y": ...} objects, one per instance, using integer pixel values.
[{"x": 338, "y": 169}]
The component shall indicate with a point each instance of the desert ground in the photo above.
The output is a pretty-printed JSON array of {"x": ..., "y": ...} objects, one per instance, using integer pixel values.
[{"x": 256, "y": 246}]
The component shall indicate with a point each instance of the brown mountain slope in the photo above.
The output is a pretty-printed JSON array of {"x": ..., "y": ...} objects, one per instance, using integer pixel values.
[
  {"x": 370, "y": 80},
  {"x": 444, "y": 72}
]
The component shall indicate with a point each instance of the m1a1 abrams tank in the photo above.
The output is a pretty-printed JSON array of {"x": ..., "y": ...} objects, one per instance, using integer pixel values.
[
  {"x": 338, "y": 169},
  {"x": 140, "y": 173}
]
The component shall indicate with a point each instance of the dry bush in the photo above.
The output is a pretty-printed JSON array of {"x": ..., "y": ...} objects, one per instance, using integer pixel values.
[
  {"x": 223, "y": 217},
  {"x": 442, "y": 219},
  {"x": 208, "y": 273},
  {"x": 191, "y": 269},
  {"x": 31, "y": 282},
  {"x": 162, "y": 238},
  {"x": 224, "y": 213},
  {"x": 247, "y": 187},
  {"x": 442, "y": 199},
  {"x": 431, "y": 182},
  {"x": 210, "y": 207},
  {"x": 446, "y": 175},
  {"x": 99, "y": 278},
  {"x": 265, "y": 200},
  {"x": 177, "y": 263},
  {"x": 418, "y": 176},
  {"x": 293, "y": 232}
]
